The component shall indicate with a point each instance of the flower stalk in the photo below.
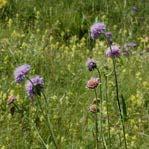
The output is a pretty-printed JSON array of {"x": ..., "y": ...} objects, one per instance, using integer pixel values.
[
  {"x": 107, "y": 107},
  {"x": 101, "y": 99},
  {"x": 96, "y": 122},
  {"x": 113, "y": 55},
  {"x": 118, "y": 103},
  {"x": 48, "y": 122}
]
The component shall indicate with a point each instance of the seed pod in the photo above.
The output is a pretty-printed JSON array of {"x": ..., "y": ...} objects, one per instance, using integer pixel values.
[
  {"x": 93, "y": 83},
  {"x": 93, "y": 108}
]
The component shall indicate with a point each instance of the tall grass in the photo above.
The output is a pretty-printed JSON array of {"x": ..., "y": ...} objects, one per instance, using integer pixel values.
[{"x": 52, "y": 36}]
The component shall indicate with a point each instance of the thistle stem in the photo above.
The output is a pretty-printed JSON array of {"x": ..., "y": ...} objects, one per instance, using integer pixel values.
[
  {"x": 15, "y": 105},
  {"x": 117, "y": 92},
  {"x": 46, "y": 117},
  {"x": 49, "y": 126},
  {"x": 106, "y": 86},
  {"x": 45, "y": 98},
  {"x": 96, "y": 122},
  {"x": 101, "y": 129},
  {"x": 118, "y": 102}
]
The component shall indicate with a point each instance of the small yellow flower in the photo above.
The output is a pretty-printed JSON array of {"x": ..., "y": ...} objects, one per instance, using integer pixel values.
[
  {"x": 138, "y": 76},
  {"x": 10, "y": 21},
  {"x": 145, "y": 84},
  {"x": 2, "y": 3},
  {"x": 15, "y": 34},
  {"x": 124, "y": 70},
  {"x": 3, "y": 147}
]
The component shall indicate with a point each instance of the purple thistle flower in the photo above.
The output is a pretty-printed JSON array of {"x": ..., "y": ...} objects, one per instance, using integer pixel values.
[
  {"x": 113, "y": 52},
  {"x": 20, "y": 72},
  {"x": 34, "y": 86},
  {"x": 97, "y": 29},
  {"x": 91, "y": 64}
]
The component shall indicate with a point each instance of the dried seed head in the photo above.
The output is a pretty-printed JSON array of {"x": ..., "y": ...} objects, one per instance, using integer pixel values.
[
  {"x": 11, "y": 99},
  {"x": 93, "y": 108},
  {"x": 93, "y": 83}
]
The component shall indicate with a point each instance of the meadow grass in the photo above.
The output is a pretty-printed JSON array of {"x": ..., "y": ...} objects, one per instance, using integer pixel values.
[{"x": 52, "y": 36}]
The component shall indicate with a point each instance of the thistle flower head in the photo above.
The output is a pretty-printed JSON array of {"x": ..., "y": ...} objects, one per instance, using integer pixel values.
[
  {"x": 93, "y": 83},
  {"x": 96, "y": 29},
  {"x": 114, "y": 51},
  {"x": 34, "y": 86},
  {"x": 20, "y": 72},
  {"x": 91, "y": 64}
]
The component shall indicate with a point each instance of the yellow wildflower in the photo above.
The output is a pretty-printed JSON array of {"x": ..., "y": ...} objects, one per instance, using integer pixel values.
[{"x": 2, "y": 3}]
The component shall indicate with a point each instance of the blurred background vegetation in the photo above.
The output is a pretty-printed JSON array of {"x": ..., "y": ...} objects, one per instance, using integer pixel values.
[{"x": 74, "y": 17}]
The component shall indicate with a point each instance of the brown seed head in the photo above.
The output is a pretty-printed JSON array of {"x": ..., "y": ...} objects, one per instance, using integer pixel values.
[
  {"x": 11, "y": 99},
  {"x": 93, "y": 83},
  {"x": 93, "y": 108}
]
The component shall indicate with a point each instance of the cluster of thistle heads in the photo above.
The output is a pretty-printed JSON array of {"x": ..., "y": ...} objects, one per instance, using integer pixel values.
[
  {"x": 34, "y": 85},
  {"x": 96, "y": 30},
  {"x": 99, "y": 29}
]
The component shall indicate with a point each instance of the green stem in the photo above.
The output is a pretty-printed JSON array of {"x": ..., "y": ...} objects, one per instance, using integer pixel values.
[
  {"x": 36, "y": 129},
  {"x": 15, "y": 105},
  {"x": 117, "y": 94},
  {"x": 118, "y": 102},
  {"x": 46, "y": 117},
  {"x": 51, "y": 130},
  {"x": 48, "y": 123},
  {"x": 45, "y": 97},
  {"x": 96, "y": 122},
  {"x": 41, "y": 138},
  {"x": 109, "y": 134},
  {"x": 101, "y": 128}
]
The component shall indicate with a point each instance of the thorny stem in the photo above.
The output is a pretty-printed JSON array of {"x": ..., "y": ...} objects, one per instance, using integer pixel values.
[
  {"x": 96, "y": 122},
  {"x": 106, "y": 85}
]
